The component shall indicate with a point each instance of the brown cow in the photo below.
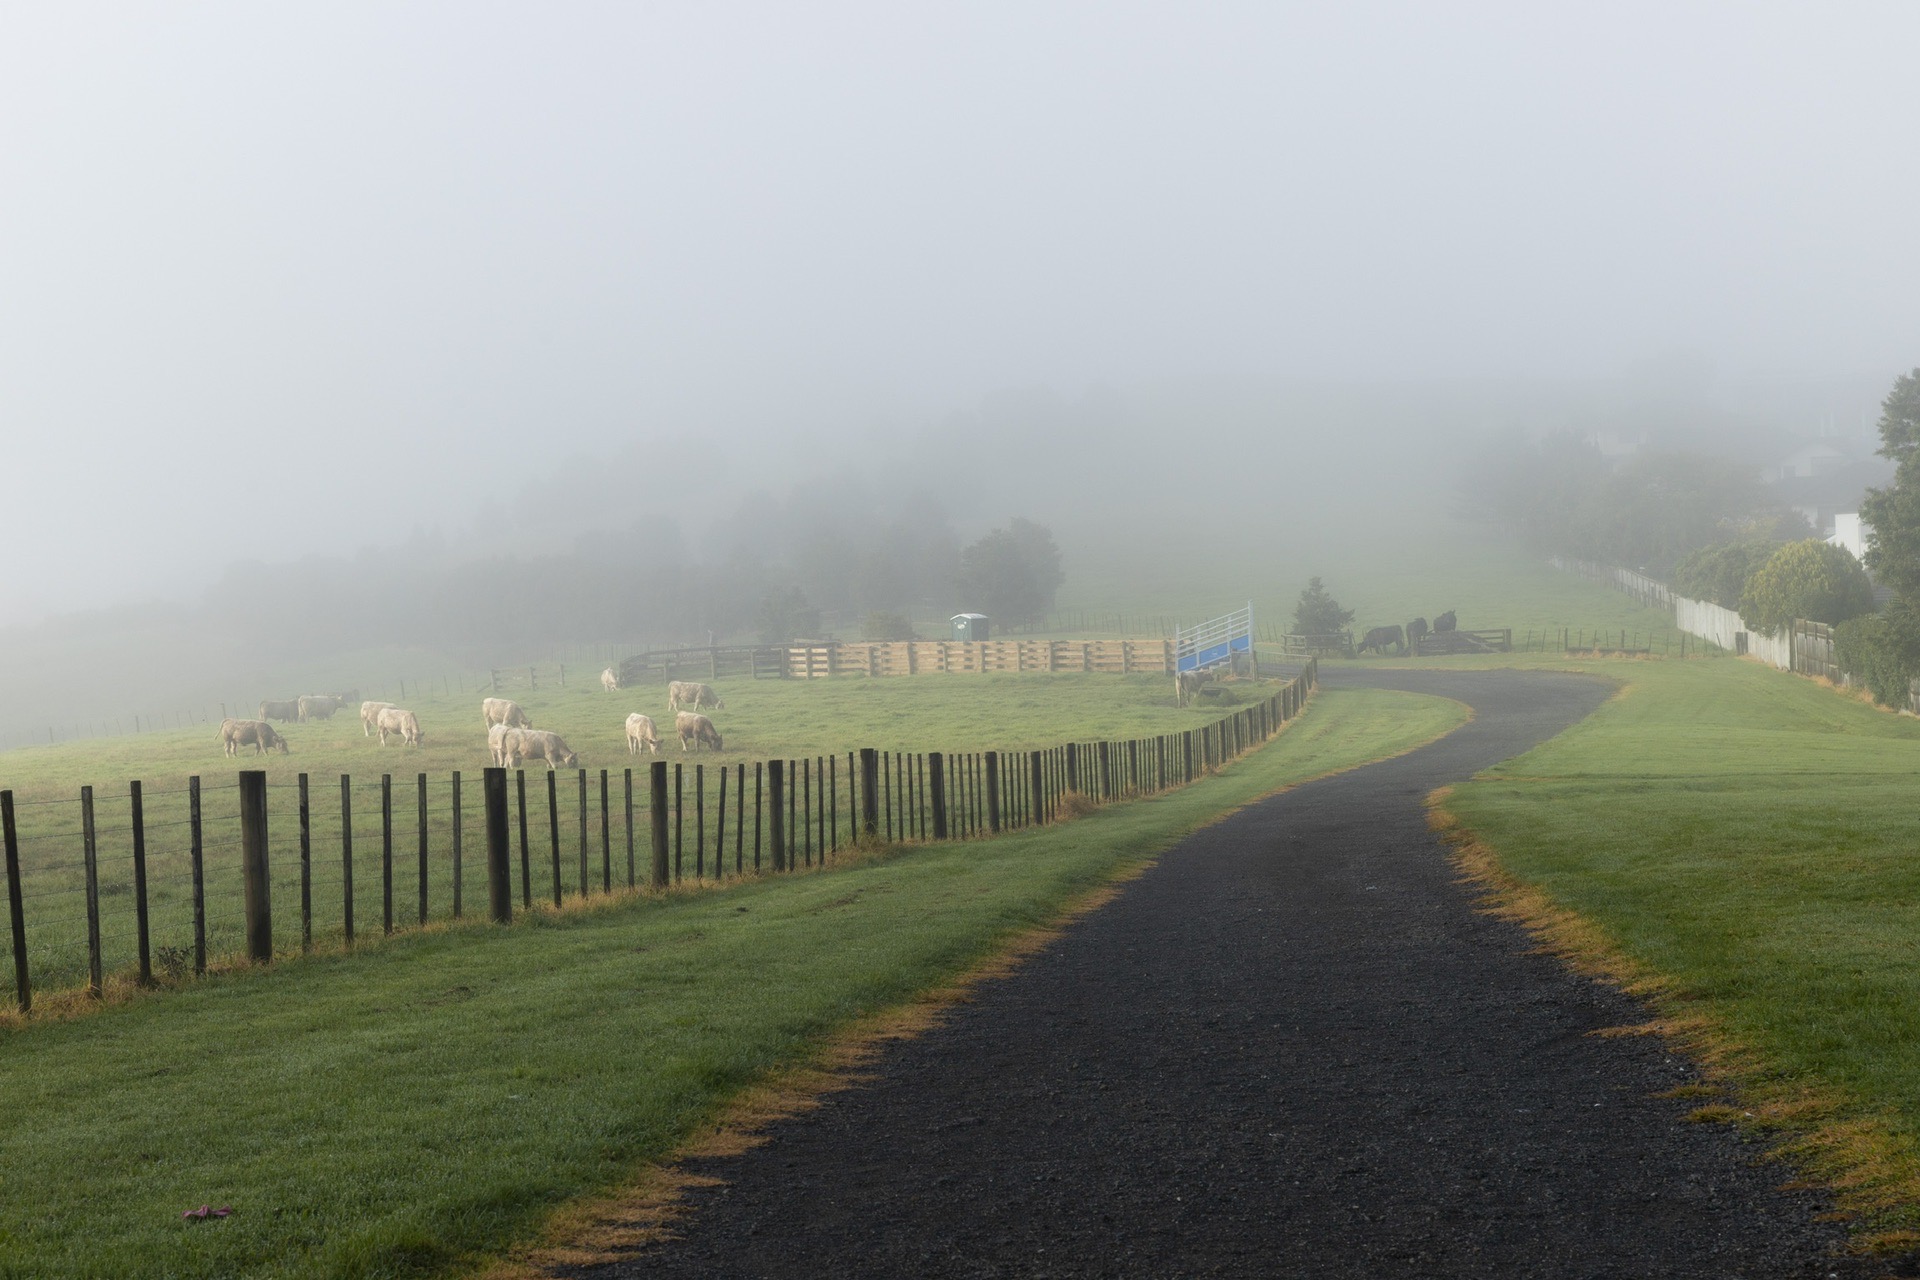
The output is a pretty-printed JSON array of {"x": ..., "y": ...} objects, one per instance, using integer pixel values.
[{"x": 258, "y": 734}]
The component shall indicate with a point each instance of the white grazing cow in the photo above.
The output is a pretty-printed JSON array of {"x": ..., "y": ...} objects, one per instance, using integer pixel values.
[
  {"x": 693, "y": 727},
  {"x": 317, "y": 706},
  {"x": 642, "y": 734},
  {"x": 540, "y": 744},
  {"x": 504, "y": 711},
  {"x": 257, "y": 734},
  {"x": 497, "y": 743},
  {"x": 687, "y": 693},
  {"x": 403, "y": 724},
  {"x": 370, "y": 715},
  {"x": 609, "y": 680}
]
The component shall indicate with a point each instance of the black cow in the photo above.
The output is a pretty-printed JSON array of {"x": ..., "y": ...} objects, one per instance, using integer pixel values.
[
  {"x": 1445, "y": 622},
  {"x": 1380, "y": 637},
  {"x": 1416, "y": 632}
]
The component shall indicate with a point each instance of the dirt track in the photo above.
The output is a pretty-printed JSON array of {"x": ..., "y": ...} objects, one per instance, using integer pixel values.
[{"x": 1292, "y": 1049}]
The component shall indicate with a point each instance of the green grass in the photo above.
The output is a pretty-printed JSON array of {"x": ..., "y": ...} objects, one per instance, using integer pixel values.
[
  {"x": 1384, "y": 580},
  {"x": 401, "y": 1110},
  {"x": 762, "y": 719},
  {"x": 1749, "y": 838}
]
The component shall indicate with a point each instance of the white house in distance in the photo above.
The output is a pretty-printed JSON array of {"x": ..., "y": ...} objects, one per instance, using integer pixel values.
[{"x": 1851, "y": 532}]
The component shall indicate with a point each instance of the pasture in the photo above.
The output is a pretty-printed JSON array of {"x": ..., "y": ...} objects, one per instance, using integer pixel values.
[
  {"x": 761, "y": 719},
  {"x": 1384, "y": 579},
  {"x": 1739, "y": 844},
  {"x": 411, "y": 1108}
]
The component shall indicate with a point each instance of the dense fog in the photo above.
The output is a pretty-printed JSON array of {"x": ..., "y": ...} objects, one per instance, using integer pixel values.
[{"x": 478, "y": 330}]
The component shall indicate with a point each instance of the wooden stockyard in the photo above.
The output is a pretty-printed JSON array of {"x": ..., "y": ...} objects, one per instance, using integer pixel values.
[{"x": 956, "y": 657}]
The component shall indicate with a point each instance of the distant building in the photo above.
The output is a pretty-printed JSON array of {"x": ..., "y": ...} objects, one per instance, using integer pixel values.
[
  {"x": 1851, "y": 532},
  {"x": 1804, "y": 463}
]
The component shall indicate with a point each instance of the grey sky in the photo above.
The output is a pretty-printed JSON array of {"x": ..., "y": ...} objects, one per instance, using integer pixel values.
[{"x": 278, "y": 279}]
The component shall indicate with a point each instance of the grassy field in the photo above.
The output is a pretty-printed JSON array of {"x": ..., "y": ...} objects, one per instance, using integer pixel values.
[
  {"x": 762, "y": 719},
  {"x": 1383, "y": 579},
  {"x": 406, "y": 1109},
  {"x": 1740, "y": 843}
]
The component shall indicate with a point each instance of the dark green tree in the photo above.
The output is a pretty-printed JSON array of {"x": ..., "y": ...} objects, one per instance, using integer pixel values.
[
  {"x": 1809, "y": 579},
  {"x": 1318, "y": 613},
  {"x": 1894, "y": 512},
  {"x": 1011, "y": 575}
]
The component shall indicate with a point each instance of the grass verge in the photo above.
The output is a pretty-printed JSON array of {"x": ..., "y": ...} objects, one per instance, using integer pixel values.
[
  {"x": 421, "y": 1107},
  {"x": 1735, "y": 845}
]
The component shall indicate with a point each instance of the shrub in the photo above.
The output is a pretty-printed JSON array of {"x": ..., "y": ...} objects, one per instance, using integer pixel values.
[
  {"x": 1879, "y": 652},
  {"x": 1809, "y": 579},
  {"x": 882, "y": 625}
]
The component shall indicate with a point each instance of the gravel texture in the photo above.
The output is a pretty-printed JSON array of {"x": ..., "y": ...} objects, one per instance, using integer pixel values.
[{"x": 1293, "y": 1048}]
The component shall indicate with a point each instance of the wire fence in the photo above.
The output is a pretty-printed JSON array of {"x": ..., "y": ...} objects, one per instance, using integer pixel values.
[{"x": 130, "y": 887}]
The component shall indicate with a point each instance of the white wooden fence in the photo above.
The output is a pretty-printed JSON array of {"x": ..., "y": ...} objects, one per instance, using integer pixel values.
[{"x": 1701, "y": 618}]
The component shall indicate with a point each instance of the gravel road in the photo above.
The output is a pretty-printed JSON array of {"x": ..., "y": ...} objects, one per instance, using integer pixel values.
[{"x": 1293, "y": 1048}]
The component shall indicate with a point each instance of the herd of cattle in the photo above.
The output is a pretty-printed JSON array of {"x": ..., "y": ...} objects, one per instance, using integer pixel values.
[
  {"x": 511, "y": 738},
  {"x": 1379, "y": 638}
]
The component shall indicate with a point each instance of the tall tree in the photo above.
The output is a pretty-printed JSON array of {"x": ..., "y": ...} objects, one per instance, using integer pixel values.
[
  {"x": 1011, "y": 575},
  {"x": 1318, "y": 613},
  {"x": 1894, "y": 512}
]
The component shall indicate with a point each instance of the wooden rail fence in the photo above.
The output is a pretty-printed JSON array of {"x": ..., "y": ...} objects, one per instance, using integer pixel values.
[
  {"x": 239, "y": 884},
  {"x": 940, "y": 657}
]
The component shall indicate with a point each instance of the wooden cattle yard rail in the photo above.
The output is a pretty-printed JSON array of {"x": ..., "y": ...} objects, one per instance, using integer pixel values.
[
  {"x": 1436, "y": 644},
  {"x": 935, "y": 657}
]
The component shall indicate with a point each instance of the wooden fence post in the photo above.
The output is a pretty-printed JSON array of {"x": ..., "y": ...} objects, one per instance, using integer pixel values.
[
  {"x": 584, "y": 871},
  {"x": 937, "y": 792},
  {"x": 777, "y": 797},
  {"x": 553, "y": 829},
  {"x": 526, "y": 857},
  {"x": 1037, "y": 789},
  {"x": 679, "y": 824},
  {"x": 699, "y": 822},
  {"x": 658, "y": 807},
  {"x": 759, "y": 795},
  {"x": 1073, "y": 766},
  {"x": 493, "y": 788},
  {"x": 420, "y": 807},
  {"x": 456, "y": 844},
  {"x": 386, "y": 852},
  {"x": 16, "y": 909},
  {"x": 631, "y": 870},
  {"x": 869, "y": 793},
  {"x": 90, "y": 855},
  {"x": 140, "y": 883},
  {"x": 606, "y": 837},
  {"x": 346, "y": 851},
  {"x": 306, "y": 866},
  {"x": 992, "y": 760},
  {"x": 253, "y": 862}
]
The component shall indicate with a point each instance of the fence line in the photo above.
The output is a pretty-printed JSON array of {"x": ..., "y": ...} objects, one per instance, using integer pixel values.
[
  {"x": 251, "y": 867},
  {"x": 1703, "y": 618}
]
